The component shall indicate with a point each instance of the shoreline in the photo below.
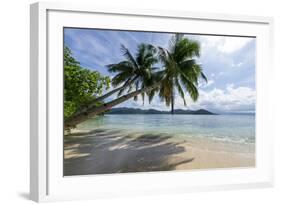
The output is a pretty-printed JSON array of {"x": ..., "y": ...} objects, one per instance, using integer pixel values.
[{"x": 104, "y": 151}]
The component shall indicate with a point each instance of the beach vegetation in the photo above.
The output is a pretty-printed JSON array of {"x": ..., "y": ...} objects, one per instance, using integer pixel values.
[
  {"x": 182, "y": 72},
  {"x": 81, "y": 85},
  {"x": 152, "y": 71}
]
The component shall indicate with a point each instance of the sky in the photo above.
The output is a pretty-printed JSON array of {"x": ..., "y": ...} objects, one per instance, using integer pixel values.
[{"x": 228, "y": 62}]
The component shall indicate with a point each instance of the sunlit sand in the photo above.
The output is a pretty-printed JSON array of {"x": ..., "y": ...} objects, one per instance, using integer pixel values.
[{"x": 104, "y": 151}]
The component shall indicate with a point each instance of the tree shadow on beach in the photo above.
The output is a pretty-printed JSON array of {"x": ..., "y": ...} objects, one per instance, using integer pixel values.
[{"x": 107, "y": 151}]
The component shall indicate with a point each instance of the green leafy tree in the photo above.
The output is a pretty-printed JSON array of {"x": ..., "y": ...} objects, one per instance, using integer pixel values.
[
  {"x": 135, "y": 72},
  {"x": 81, "y": 85},
  {"x": 139, "y": 75},
  {"x": 131, "y": 73}
]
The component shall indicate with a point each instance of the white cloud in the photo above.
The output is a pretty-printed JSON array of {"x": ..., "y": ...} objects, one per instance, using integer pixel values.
[
  {"x": 237, "y": 64},
  {"x": 229, "y": 100},
  {"x": 223, "y": 44},
  {"x": 231, "y": 44}
]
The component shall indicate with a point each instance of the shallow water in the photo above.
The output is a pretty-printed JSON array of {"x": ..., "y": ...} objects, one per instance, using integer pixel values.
[{"x": 224, "y": 128}]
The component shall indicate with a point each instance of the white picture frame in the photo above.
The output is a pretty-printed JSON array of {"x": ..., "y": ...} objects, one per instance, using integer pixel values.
[{"x": 46, "y": 137}]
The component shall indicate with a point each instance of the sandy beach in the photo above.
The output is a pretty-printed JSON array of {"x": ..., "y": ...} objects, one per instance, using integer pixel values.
[{"x": 104, "y": 151}]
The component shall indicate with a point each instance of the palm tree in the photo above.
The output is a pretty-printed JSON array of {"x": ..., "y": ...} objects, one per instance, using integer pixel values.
[
  {"x": 74, "y": 120},
  {"x": 136, "y": 71},
  {"x": 132, "y": 73},
  {"x": 181, "y": 70}
]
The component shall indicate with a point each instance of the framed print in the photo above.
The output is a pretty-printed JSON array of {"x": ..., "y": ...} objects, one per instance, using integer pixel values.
[{"x": 127, "y": 102}]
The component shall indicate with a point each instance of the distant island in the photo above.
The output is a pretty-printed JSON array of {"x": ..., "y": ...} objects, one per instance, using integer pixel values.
[{"x": 125, "y": 110}]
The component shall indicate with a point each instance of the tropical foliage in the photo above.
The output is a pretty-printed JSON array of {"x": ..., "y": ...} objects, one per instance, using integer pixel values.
[
  {"x": 182, "y": 73},
  {"x": 151, "y": 71},
  {"x": 135, "y": 71},
  {"x": 80, "y": 85}
]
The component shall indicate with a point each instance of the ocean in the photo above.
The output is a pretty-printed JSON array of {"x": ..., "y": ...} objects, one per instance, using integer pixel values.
[{"x": 222, "y": 128}]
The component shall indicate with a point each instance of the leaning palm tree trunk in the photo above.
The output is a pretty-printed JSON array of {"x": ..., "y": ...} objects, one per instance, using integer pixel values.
[
  {"x": 94, "y": 102},
  {"x": 101, "y": 98},
  {"x": 90, "y": 112}
]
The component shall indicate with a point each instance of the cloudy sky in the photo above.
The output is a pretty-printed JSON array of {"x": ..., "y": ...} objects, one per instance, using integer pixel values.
[{"x": 228, "y": 63}]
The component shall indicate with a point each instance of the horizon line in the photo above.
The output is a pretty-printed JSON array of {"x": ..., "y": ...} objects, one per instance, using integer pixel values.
[{"x": 216, "y": 111}]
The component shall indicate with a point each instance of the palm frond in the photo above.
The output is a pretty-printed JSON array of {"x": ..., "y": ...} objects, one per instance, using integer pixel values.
[
  {"x": 191, "y": 88},
  {"x": 129, "y": 56},
  {"x": 142, "y": 97},
  {"x": 120, "y": 67},
  {"x": 204, "y": 77},
  {"x": 136, "y": 98},
  {"x": 151, "y": 94},
  {"x": 162, "y": 55},
  {"x": 120, "y": 78},
  {"x": 121, "y": 92},
  {"x": 180, "y": 91}
]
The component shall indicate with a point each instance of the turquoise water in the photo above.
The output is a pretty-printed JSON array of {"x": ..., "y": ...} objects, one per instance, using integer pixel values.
[{"x": 226, "y": 128}]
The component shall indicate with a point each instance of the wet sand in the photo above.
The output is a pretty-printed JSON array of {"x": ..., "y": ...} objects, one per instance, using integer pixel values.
[{"x": 103, "y": 151}]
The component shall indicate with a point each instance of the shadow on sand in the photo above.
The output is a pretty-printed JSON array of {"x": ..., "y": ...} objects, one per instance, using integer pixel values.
[{"x": 106, "y": 151}]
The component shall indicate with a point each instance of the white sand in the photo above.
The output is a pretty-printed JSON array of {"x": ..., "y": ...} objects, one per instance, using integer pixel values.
[{"x": 109, "y": 151}]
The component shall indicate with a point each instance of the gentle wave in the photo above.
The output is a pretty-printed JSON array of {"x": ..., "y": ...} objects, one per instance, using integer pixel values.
[{"x": 221, "y": 128}]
